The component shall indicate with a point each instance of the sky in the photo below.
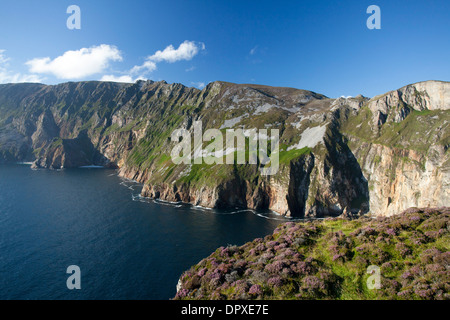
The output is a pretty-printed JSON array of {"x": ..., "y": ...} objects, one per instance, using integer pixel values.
[{"x": 322, "y": 46}]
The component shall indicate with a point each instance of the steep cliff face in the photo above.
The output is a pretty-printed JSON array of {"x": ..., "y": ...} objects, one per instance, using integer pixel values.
[
  {"x": 336, "y": 156},
  {"x": 403, "y": 178},
  {"x": 401, "y": 141}
]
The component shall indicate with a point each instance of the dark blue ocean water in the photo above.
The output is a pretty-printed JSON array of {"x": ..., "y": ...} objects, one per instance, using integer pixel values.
[{"x": 126, "y": 247}]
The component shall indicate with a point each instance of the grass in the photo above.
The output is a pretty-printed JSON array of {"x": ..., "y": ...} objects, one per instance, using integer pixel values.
[
  {"x": 287, "y": 156},
  {"x": 418, "y": 131}
]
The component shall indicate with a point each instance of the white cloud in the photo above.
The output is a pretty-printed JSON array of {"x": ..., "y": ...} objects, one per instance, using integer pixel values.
[
  {"x": 117, "y": 79},
  {"x": 186, "y": 51},
  {"x": 124, "y": 78},
  {"x": 77, "y": 64},
  {"x": 148, "y": 66},
  {"x": 255, "y": 54},
  {"x": 6, "y": 76},
  {"x": 3, "y": 58},
  {"x": 199, "y": 85},
  {"x": 18, "y": 77}
]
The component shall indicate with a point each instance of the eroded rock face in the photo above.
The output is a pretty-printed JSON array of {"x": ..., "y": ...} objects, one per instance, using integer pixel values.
[
  {"x": 338, "y": 156},
  {"x": 401, "y": 179},
  {"x": 431, "y": 95},
  {"x": 397, "y": 104}
]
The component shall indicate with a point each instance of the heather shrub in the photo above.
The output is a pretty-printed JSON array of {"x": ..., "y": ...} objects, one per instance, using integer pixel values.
[
  {"x": 304, "y": 267},
  {"x": 402, "y": 249},
  {"x": 391, "y": 267},
  {"x": 428, "y": 255},
  {"x": 241, "y": 287},
  {"x": 373, "y": 253},
  {"x": 417, "y": 238},
  {"x": 275, "y": 267},
  {"x": 391, "y": 232},
  {"x": 240, "y": 265},
  {"x": 443, "y": 258},
  {"x": 389, "y": 288},
  {"x": 280, "y": 247},
  {"x": 255, "y": 290},
  {"x": 275, "y": 282},
  {"x": 314, "y": 287}
]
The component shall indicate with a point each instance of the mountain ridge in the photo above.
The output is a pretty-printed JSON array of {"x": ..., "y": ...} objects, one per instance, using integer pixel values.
[{"x": 324, "y": 143}]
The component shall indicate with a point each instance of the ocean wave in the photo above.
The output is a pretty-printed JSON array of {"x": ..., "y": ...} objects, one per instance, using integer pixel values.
[
  {"x": 129, "y": 180},
  {"x": 167, "y": 202},
  {"x": 271, "y": 215},
  {"x": 201, "y": 208}
]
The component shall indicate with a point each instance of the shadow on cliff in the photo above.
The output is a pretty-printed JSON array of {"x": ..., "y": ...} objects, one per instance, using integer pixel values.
[
  {"x": 72, "y": 153},
  {"x": 341, "y": 188},
  {"x": 345, "y": 175}
]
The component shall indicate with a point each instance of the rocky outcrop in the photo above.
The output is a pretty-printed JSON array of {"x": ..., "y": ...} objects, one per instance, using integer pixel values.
[
  {"x": 428, "y": 95},
  {"x": 337, "y": 156}
]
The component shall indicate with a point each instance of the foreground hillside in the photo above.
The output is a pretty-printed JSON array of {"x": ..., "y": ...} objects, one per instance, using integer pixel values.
[{"x": 330, "y": 259}]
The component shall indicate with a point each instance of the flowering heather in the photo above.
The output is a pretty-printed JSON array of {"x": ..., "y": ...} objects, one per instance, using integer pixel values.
[
  {"x": 272, "y": 244},
  {"x": 280, "y": 246},
  {"x": 402, "y": 249},
  {"x": 255, "y": 290},
  {"x": 182, "y": 293},
  {"x": 202, "y": 272},
  {"x": 391, "y": 232},
  {"x": 275, "y": 267},
  {"x": 337, "y": 257},
  {"x": 328, "y": 259},
  {"x": 275, "y": 282}
]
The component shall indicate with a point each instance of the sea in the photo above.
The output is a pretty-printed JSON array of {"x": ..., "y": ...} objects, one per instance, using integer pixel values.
[{"x": 124, "y": 246}]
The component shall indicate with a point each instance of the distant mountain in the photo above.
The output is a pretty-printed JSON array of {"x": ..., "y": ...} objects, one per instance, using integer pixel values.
[{"x": 345, "y": 156}]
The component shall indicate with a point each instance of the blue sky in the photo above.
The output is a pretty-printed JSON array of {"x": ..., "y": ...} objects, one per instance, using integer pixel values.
[{"x": 323, "y": 46}]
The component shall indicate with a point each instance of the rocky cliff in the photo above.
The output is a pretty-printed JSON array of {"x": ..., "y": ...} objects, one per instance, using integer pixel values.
[{"x": 336, "y": 156}]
